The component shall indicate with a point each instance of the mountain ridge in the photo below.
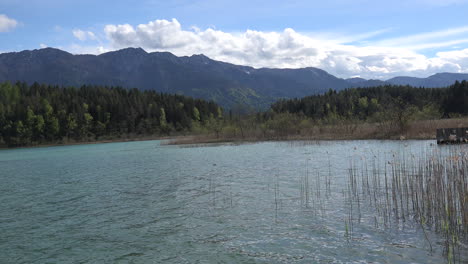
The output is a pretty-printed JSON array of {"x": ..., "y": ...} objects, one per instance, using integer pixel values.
[{"x": 196, "y": 75}]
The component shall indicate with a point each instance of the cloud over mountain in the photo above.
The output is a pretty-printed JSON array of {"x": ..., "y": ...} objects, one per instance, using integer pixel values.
[
  {"x": 83, "y": 35},
  {"x": 6, "y": 23},
  {"x": 291, "y": 49}
]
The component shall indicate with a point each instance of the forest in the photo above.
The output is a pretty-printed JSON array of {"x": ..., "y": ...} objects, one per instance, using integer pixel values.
[
  {"x": 398, "y": 104},
  {"x": 368, "y": 103},
  {"x": 38, "y": 114},
  {"x": 383, "y": 112}
]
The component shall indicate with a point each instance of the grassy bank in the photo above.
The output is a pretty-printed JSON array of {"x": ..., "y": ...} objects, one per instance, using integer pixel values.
[
  {"x": 306, "y": 130},
  {"x": 249, "y": 131}
]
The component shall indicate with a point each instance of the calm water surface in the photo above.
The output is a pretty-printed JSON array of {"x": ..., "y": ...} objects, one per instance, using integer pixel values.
[{"x": 142, "y": 202}]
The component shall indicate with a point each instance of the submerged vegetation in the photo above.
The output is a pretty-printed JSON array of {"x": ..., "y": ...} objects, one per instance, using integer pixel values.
[
  {"x": 430, "y": 190},
  {"x": 424, "y": 191}
]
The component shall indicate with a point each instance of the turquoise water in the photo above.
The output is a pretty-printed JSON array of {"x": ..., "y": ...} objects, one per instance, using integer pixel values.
[{"x": 142, "y": 202}]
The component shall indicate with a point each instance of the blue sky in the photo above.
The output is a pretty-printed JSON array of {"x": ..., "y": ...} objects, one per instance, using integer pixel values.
[{"x": 371, "y": 39}]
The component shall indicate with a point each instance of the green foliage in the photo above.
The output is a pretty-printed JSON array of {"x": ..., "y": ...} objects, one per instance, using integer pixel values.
[
  {"x": 282, "y": 125},
  {"x": 162, "y": 118},
  {"x": 38, "y": 128},
  {"x": 37, "y": 114},
  {"x": 392, "y": 106},
  {"x": 214, "y": 124},
  {"x": 456, "y": 99},
  {"x": 9, "y": 94},
  {"x": 196, "y": 114}
]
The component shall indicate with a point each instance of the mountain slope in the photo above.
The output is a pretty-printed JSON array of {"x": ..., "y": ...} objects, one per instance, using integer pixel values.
[
  {"x": 360, "y": 82},
  {"x": 196, "y": 76},
  {"x": 437, "y": 80},
  {"x": 434, "y": 81}
]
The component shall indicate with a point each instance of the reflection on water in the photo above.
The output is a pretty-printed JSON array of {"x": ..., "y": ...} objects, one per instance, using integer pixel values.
[{"x": 142, "y": 202}]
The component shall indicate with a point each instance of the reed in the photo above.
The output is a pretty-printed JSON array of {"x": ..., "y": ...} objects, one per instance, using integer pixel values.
[
  {"x": 430, "y": 190},
  {"x": 419, "y": 129}
]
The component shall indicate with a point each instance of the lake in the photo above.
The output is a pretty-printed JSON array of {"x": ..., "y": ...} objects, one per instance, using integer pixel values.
[{"x": 146, "y": 202}]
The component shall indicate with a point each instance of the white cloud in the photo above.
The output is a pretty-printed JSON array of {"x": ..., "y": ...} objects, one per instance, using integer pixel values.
[
  {"x": 6, "y": 23},
  {"x": 84, "y": 35},
  {"x": 427, "y": 40},
  {"x": 79, "y": 49},
  {"x": 43, "y": 46},
  {"x": 291, "y": 49},
  {"x": 457, "y": 58}
]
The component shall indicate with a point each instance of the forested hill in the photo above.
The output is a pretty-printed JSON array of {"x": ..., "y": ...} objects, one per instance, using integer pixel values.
[
  {"x": 197, "y": 76},
  {"x": 443, "y": 79},
  {"x": 37, "y": 114},
  {"x": 381, "y": 103}
]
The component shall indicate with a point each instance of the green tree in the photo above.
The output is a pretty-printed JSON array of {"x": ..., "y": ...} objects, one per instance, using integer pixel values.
[
  {"x": 38, "y": 130},
  {"x": 71, "y": 125},
  {"x": 196, "y": 114},
  {"x": 52, "y": 128},
  {"x": 85, "y": 128},
  {"x": 29, "y": 124},
  {"x": 49, "y": 113},
  {"x": 163, "y": 121}
]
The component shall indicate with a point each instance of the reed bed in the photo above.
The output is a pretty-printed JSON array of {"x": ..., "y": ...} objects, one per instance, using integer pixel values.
[
  {"x": 430, "y": 190},
  {"x": 426, "y": 192},
  {"x": 419, "y": 129}
]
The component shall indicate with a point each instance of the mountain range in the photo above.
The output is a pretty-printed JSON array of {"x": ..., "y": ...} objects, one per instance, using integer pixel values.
[{"x": 197, "y": 75}]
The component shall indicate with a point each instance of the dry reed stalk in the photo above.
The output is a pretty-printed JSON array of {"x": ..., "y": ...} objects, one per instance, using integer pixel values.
[{"x": 431, "y": 191}]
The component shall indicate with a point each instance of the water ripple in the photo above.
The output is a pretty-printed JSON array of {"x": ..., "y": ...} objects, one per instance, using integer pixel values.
[{"x": 140, "y": 202}]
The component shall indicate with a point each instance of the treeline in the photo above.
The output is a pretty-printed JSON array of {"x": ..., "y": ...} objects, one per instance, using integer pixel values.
[
  {"x": 375, "y": 104},
  {"x": 359, "y": 113},
  {"x": 38, "y": 114}
]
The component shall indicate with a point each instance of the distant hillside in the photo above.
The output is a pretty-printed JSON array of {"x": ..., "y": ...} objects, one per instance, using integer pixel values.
[
  {"x": 434, "y": 81},
  {"x": 360, "y": 82},
  {"x": 197, "y": 75},
  {"x": 437, "y": 80}
]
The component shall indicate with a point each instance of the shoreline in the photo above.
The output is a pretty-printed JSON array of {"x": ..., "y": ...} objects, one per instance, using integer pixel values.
[
  {"x": 209, "y": 141},
  {"x": 192, "y": 140},
  {"x": 417, "y": 130},
  {"x": 104, "y": 141}
]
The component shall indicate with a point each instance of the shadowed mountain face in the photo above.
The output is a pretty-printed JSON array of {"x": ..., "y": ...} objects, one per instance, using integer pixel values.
[
  {"x": 360, "y": 82},
  {"x": 437, "y": 80},
  {"x": 197, "y": 76}
]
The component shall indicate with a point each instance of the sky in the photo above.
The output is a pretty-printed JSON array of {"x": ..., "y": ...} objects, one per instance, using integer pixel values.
[{"x": 371, "y": 39}]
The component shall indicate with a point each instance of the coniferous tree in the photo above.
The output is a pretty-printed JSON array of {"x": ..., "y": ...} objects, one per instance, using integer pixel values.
[{"x": 36, "y": 114}]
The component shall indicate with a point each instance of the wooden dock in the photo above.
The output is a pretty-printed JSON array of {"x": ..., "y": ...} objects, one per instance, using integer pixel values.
[{"x": 452, "y": 135}]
